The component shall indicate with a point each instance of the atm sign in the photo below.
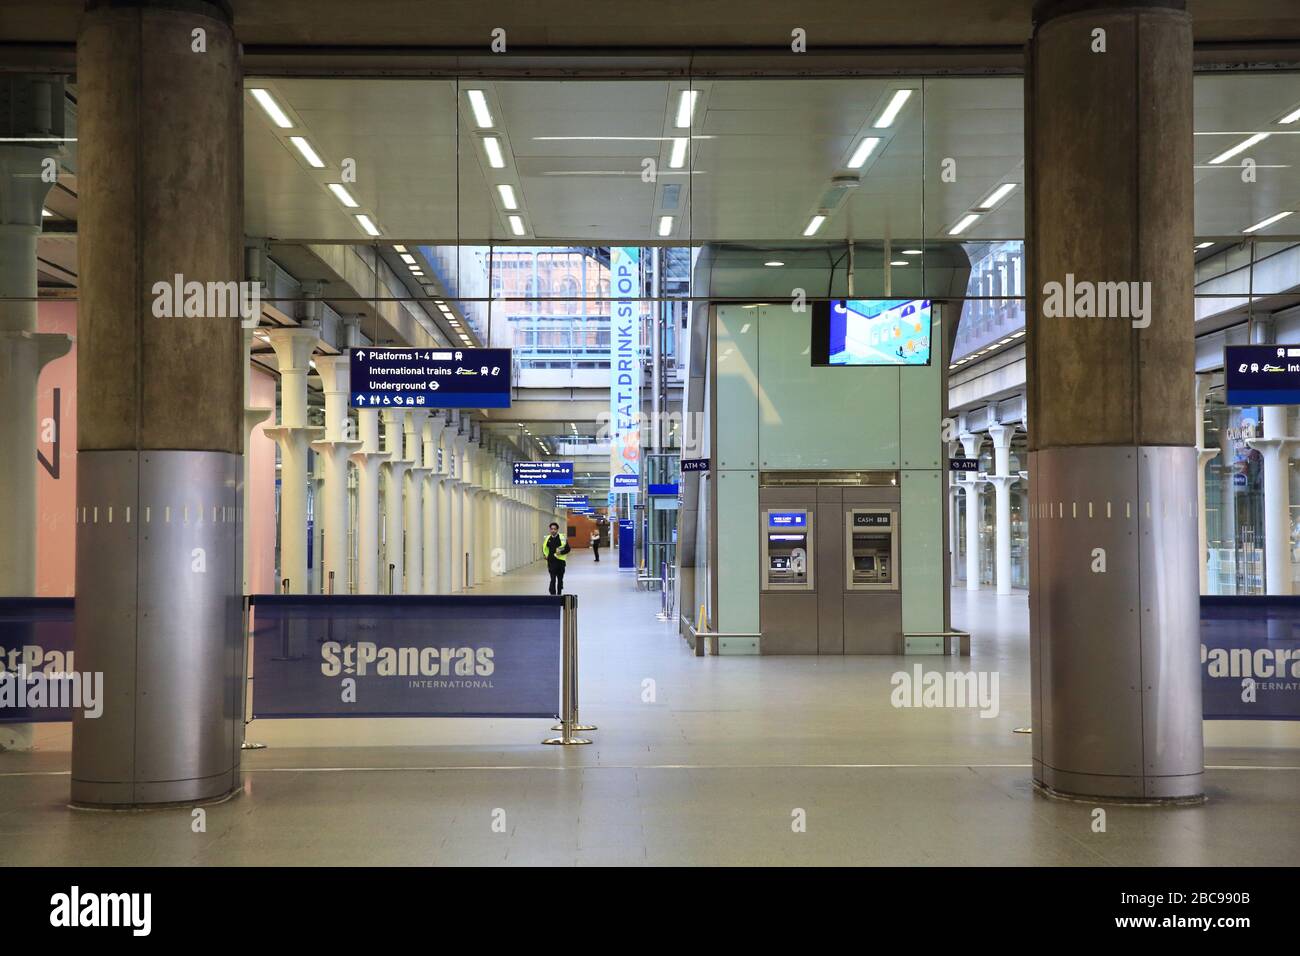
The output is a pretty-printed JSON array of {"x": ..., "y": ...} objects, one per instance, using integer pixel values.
[
  {"x": 878, "y": 520},
  {"x": 787, "y": 519}
]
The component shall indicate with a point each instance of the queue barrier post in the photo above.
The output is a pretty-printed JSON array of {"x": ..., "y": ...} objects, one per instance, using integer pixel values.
[
  {"x": 245, "y": 743},
  {"x": 568, "y": 724}
]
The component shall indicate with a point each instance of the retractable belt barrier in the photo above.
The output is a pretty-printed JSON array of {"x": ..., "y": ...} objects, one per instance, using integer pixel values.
[{"x": 350, "y": 656}]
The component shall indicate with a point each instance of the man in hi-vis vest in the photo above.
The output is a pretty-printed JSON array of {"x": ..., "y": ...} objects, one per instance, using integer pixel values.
[{"x": 556, "y": 551}]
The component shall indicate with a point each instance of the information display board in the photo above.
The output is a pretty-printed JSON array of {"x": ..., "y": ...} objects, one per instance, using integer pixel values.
[
  {"x": 543, "y": 473},
  {"x": 1261, "y": 374},
  {"x": 430, "y": 378}
]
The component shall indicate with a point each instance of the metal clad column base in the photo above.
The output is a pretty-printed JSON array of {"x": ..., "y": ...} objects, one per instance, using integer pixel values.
[
  {"x": 1114, "y": 646},
  {"x": 159, "y": 614}
]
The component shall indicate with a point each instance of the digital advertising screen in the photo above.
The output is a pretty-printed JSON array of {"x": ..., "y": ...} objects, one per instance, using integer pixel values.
[{"x": 871, "y": 332}]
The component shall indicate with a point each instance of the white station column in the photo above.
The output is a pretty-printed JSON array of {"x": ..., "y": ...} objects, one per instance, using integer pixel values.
[
  {"x": 971, "y": 482},
  {"x": 455, "y": 439},
  {"x": 368, "y": 460},
  {"x": 394, "y": 478},
  {"x": 253, "y": 416},
  {"x": 293, "y": 348},
  {"x": 414, "y": 489},
  {"x": 335, "y": 449},
  {"x": 468, "y": 511},
  {"x": 1275, "y": 447},
  {"x": 1002, "y": 479},
  {"x": 1203, "y": 457},
  {"x": 433, "y": 527}
]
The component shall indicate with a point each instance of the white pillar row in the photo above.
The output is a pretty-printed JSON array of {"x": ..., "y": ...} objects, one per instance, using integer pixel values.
[
  {"x": 293, "y": 349},
  {"x": 253, "y": 416},
  {"x": 1002, "y": 479},
  {"x": 392, "y": 569},
  {"x": 368, "y": 461},
  {"x": 1275, "y": 447},
  {"x": 414, "y": 491},
  {"x": 954, "y": 490},
  {"x": 433, "y": 529},
  {"x": 334, "y": 450},
  {"x": 971, "y": 482},
  {"x": 1203, "y": 457}
]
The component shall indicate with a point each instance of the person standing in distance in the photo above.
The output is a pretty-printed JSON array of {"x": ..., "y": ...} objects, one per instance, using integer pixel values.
[
  {"x": 595, "y": 543},
  {"x": 556, "y": 552}
]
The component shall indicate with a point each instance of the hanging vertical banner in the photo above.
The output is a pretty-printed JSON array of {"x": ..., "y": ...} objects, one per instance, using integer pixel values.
[{"x": 625, "y": 369}]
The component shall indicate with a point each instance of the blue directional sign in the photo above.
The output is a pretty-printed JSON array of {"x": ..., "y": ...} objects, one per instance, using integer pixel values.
[
  {"x": 543, "y": 472},
  {"x": 626, "y": 482},
  {"x": 430, "y": 378},
  {"x": 1262, "y": 374},
  {"x": 578, "y": 503}
]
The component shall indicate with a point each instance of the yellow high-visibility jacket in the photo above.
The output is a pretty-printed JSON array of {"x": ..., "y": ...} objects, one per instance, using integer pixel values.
[{"x": 561, "y": 553}]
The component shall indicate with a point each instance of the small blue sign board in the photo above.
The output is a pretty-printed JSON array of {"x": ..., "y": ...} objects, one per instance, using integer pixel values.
[
  {"x": 666, "y": 489},
  {"x": 543, "y": 473},
  {"x": 787, "y": 519},
  {"x": 695, "y": 464},
  {"x": 963, "y": 464},
  {"x": 572, "y": 502},
  {"x": 1262, "y": 374},
  {"x": 626, "y": 543},
  {"x": 626, "y": 482},
  {"x": 430, "y": 378}
]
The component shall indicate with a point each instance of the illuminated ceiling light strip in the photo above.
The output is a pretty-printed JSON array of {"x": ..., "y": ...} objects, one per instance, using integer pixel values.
[
  {"x": 677, "y": 158},
  {"x": 343, "y": 195},
  {"x": 492, "y": 146},
  {"x": 665, "y": 225},
  {"x": 1204, "y": 245},
  {"x": 399, "y": 248},
  {"x": 891, "y": 112},
  {"x": 963, "y": 224},
  {"x": 1244, "y": 145},
  {"x": 507, "y": 194},
  {"x": 995, "y": 197},
  {"x": 367, "y": 224},
  {"x": 1290, "y": 118},
  {"x": 309, "y": 154},
  {"x": 517, "y": 225},
  {"x": 686, "y": 108},
  {"x": 271, "y": 108},
  {"x": 863, "y": 152},
  {"x": 408, "y": 258},
  {"x": 1267, "y": 222},
  {"x": 814, "y": 224},
  {"x": 479, "y": 107},
  {"x": 45, "y": 213}
]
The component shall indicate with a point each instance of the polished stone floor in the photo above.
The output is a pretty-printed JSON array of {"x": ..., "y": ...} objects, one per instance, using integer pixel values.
[{"x": 719, "y": 766}]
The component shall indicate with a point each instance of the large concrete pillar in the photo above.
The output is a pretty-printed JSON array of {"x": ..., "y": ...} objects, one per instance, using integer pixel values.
[
  {"x": 1114, "y": 617},
  {"x": 368, "y": 460},
  {"x": 971, "y": 483},
  {"x": 1002, "y": 479},
  {"x": 335, "y": 449},
  {"x": 160, "y": 405}
]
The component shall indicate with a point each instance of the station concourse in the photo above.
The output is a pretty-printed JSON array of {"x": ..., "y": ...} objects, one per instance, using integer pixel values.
[{"x": 931, "y": 396}]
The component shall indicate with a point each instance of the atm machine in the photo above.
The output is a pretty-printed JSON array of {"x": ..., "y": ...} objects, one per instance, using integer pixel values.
[
  {"x": 871, "y": 547},
  {"x": 787, "y": 550}
]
